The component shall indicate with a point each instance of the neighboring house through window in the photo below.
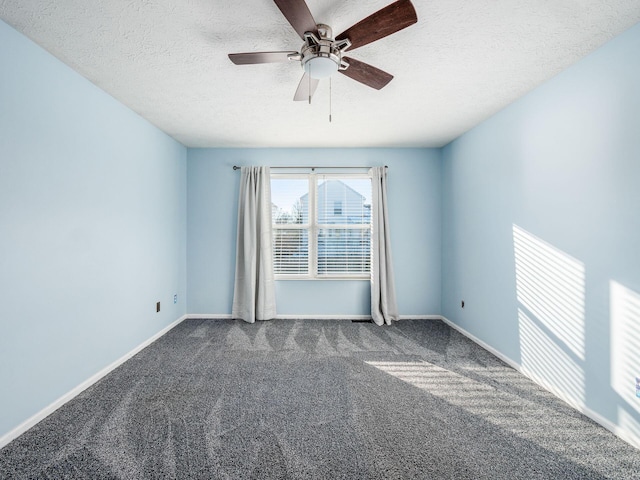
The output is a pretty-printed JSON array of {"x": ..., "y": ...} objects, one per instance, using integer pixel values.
[{"x": 321, "y": 225}]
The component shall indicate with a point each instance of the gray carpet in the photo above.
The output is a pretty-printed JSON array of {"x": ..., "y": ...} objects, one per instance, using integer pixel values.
[{"x": 316, "y": 399}]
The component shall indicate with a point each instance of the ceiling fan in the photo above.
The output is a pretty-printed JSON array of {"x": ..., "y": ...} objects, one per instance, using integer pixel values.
[{"x": 321, "y": 55}]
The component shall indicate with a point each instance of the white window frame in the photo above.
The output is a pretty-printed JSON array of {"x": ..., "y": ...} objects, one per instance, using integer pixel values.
[{"x": 313, "y": 227}]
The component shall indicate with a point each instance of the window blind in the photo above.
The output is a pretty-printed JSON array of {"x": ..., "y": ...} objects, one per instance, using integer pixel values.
[{"x": 321, "y": 225}]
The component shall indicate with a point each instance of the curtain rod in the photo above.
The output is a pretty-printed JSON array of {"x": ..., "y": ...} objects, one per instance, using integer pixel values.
[{"x": 235, "y": 167}]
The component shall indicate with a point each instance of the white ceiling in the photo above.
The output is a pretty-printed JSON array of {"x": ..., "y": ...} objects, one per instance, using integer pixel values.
[{"x": 462, "y": 62}]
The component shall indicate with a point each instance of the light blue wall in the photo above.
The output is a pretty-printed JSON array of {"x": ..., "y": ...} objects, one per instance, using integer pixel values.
[
  {"x": 555, "y": 177},
  {"x": 92, "y": 229},
  {"x": 414, "y": 204}
]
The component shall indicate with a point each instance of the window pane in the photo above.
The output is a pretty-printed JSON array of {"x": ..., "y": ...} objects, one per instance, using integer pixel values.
[
  {"x": 343, "y": 250},
  {"x": 344, "y": 201},
  {"x": 290, "y": 200},
  {"x": 290, "y": 251},
  {"x": 341, "y": 223}
]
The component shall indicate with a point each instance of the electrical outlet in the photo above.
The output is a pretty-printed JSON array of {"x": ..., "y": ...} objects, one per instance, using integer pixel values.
[
  {"x": 175, "y": 299},
  {"x": 462, "y": 304},
  {"x": 157, "y": 306}
]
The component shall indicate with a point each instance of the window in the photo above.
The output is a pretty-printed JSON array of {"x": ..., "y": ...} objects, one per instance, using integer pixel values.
[{"x": 321, "y": 225}]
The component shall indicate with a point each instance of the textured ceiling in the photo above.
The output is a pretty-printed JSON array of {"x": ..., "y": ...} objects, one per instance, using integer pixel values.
[{"x": 462, "y": 62}]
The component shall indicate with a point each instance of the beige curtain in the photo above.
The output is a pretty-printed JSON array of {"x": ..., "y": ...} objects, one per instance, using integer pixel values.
[
  {"x": 254, "y": 296},
  {"x": 383, "y": 291}
]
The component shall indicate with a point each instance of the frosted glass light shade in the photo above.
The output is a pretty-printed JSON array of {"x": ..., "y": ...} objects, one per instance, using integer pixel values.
[{"x": 320, "y": 67}]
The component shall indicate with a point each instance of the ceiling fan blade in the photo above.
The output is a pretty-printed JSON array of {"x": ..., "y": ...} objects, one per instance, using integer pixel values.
[
  {"x": 306, "y": 88},
  {"x": 384, "y": 22},
  {"x": 298, "y": 14},
  {"x": 259, "y": 57},
  {"x": 365, "y": 73}
]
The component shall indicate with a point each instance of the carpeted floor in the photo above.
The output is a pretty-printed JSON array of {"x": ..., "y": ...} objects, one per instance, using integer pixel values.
[{"x": 321, "y": 400}]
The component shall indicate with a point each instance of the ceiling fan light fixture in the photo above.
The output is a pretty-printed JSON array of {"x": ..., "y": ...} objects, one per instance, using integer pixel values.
[
  {"x": 321, "y": 67},
  {"x": 321, "y": 55}
]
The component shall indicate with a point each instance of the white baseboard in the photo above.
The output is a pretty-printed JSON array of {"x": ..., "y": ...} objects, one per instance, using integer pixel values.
[
  {"x": 486, "y": 346},
  {"x": 623, "y": 434},
  {"x": 48, "y": 410},
  {"x": 420, "y": 317},
  {"x": 319, "y": 316}
]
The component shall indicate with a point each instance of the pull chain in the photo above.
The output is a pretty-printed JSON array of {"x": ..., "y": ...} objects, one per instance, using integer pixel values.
[
  {"x": 329, "y": 99},
  {"x": 309, "y": 83}
]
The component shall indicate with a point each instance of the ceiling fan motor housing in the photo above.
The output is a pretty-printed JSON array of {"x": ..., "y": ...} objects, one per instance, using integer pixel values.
[{"x": 321, "y": 55}]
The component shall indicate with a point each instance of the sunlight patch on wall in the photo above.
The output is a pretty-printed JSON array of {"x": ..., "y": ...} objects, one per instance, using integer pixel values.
[
  {"x": 551, "y": 286},
  {"x": 625, "y": 342},
  {"x": 546, "y": 361}
]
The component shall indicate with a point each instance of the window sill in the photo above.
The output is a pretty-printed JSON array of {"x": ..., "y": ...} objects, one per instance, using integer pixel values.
[{"x": 322, "y": 278}]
